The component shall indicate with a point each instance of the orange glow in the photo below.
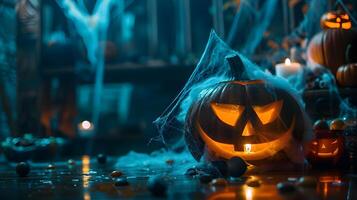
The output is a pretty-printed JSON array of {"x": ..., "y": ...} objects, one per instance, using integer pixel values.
[
  {"x": 347, "y": 25},
  {"x": 247, "y": 148},
  {"x": 345, "y": 16},
  {"x": 331, "y": 16},
  {"x": 325, "y": 190},
  {"x": 269, "y": 112},
  {"x": 248, "y": 130},
  {"x": 222, "y": 195},
  {"x": 248, "y": 193},
  {"x": 332, "y": 24},
  {"x": 257, "y": 152},
  {"x": 227, "y": 113},
  {"x": 85, "y": 170}
]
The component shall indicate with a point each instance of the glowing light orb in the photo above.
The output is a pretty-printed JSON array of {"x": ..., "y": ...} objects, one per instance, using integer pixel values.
[
  {"x": 247, "y": 148},
  {"x": 287, "y": 61},
  {"x": 86, "y": 125}
]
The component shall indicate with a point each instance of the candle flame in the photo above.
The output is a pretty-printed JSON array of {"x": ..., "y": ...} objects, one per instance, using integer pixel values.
[
  {"x": 247, "y": 148},
  {"x": 287, "y": 61}
]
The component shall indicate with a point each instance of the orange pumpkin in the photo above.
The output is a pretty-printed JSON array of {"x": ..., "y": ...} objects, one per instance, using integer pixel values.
[
  {"x": 335, "y": 20},
  {"x": 251, "y": 119},
  {"x": 327, "y": 147},
  {"x": 328, "y": 48},
  {"x": 347, "y": 75}
]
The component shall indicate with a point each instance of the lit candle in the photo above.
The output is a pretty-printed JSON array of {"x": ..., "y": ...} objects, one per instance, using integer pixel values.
[
  {"x": 287, "y": 69},
  {"x": 247, "y": 148}
]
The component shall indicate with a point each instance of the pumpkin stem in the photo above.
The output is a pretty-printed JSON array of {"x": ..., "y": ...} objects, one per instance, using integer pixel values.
[{"x": 236, "y": 65}]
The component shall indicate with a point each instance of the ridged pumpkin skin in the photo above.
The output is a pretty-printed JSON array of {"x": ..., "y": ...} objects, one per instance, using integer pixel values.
[
  {"x": 328, "y": 48},
  {"x": 347, "y": 75},
  {"x": 203, "y": 120}
]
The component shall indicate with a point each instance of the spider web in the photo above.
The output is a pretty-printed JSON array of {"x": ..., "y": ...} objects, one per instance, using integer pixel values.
[{"x": 212, "y": 69}]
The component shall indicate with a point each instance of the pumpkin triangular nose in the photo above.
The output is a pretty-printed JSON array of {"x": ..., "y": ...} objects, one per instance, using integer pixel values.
[
  {"x": 323, "y": 146},
  {"x": 248, "y": 130}
]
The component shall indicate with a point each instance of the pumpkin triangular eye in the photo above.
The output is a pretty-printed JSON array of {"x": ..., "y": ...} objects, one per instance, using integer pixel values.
[
  {"x": 227, "y": 113},
  {"x": 345, "y": 16},
  {"x": 268, "y": 113}
]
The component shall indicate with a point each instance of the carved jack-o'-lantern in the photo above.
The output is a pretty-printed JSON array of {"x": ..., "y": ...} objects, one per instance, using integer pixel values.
[
  {"x": 249, "y": 119},
  {"x": 336, "y": 20},
  {"x": 326, "y": 148}
]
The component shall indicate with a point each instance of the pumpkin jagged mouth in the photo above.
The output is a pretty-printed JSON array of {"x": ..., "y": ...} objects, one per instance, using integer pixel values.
[
  {"x": 334, "y": 153},
  {"x": 257, "y": 151}
]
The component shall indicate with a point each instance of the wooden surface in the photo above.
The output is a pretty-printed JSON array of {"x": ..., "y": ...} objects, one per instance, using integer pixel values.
[{"x": 89, "y": 180}]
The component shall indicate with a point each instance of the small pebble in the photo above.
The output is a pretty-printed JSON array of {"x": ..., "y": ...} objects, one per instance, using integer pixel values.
[
  {"x": 220, "y": 182},
  {"x": 286, "y": 187},
  {"x": 22, "y": 169},
  {"x": 71, "y": 162},
  {"x": 253, "y": 183},
  {"x": 157, "y": 186},
  {"x": 191, "y": 172},
  {"x": 122, "y": 181},
  {"x": 116, "y": 174},
  {"x": 51, "y": 167},
  {"x": 205, "y": 178},
  {"x": 236, "y": 167},
  {"x": 101, "y": 158},
  {"x": 170, "y": 162},
  {"x": 307, "y": 181}
]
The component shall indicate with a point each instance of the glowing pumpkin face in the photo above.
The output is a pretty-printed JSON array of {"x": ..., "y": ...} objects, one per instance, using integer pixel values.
[
  {"x": 336, "y": 20},
  {"x": 326, "y": 148},
  {"x": 250, "y": 119}
]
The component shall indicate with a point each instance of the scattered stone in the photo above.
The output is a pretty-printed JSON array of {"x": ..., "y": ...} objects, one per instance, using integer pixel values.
[
  {"x": 236, "y": 167},
  {"x": 191, "y": 172},
  {"x": 253, "y": 183},
  {"x": 220, "y": 182},
  {"x": 286, "y": 187},
  {"x": 116, "y": 174},
  {"x": 205, "y": 178},
  {"x": 22, "y": 169},
  {"x": 307, "y": 181},
  {"x": 157, "y": 186},
  {"x": 122, "y": 181},
  {"x": 170, "y": 162},
  {"x": 101, "y": 158},
  {"x": 71, "y": 162},
  {"x": 51, "y": 167}
]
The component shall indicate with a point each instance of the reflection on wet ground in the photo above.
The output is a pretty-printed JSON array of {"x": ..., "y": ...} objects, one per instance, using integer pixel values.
[{"x": 89, "y": 180}]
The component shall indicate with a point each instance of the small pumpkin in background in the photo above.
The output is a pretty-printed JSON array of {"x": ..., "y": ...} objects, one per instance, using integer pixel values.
[
  {"x": 328, "y": 47},
  {"x": 327, "y": 147},
  {"x": 336, "y": 20},
  {"x": 347, "y": 74}
]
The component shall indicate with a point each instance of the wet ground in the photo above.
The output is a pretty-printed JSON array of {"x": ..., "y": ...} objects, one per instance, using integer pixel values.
[{"x": 87, "y": 179}]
